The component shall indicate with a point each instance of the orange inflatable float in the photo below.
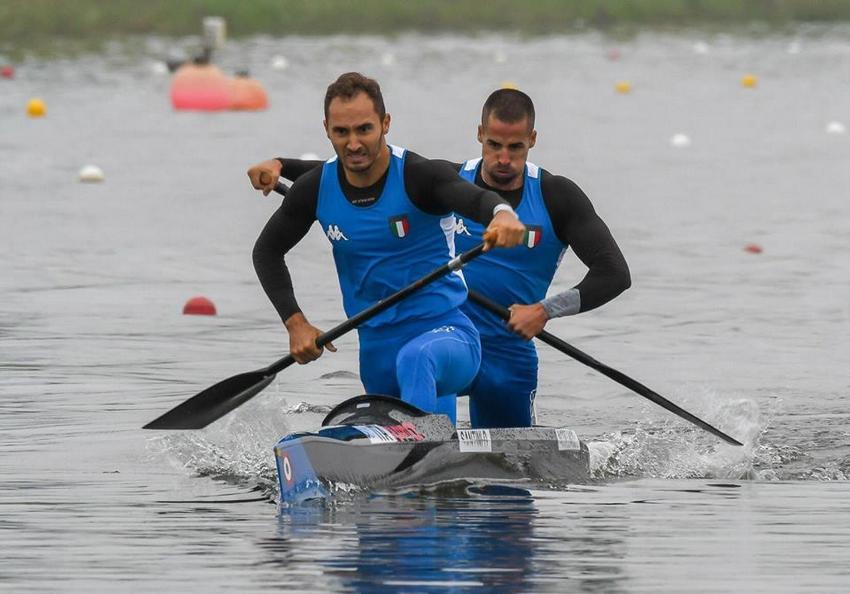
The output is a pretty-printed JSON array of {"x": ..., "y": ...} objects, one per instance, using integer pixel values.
[
  {"x": 248, "y": 94},
  {"x": 201, "y": 87}
]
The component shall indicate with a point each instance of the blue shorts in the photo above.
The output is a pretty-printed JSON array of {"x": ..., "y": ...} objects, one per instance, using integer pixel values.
[
  {"x": 502, "y": 394},
  {"x": 425, "y": 362}
]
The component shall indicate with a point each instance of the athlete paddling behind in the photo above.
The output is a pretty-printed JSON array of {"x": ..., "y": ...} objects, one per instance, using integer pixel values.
[
  {"x": 388, "y": 215},
  {"x": 559, "y": 215}
]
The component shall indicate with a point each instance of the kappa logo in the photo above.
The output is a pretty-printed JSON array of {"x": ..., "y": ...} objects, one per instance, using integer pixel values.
[
  {"x": 335, "y": 233},
  {"x": 460, "y": 227}
]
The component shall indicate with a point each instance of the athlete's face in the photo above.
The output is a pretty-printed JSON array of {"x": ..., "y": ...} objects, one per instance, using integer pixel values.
[
  {"x": 356, "y": 131},
  {"x": 504, "y": 151}
]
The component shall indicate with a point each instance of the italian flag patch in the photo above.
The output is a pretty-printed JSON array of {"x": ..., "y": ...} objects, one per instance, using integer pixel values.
[
  {"x": 533, "y": 235},
  {"x": 399, "y": 226}
]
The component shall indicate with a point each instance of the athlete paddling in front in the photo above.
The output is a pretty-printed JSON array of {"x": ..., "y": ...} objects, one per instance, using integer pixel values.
[
  {"x": 388, "y": 214},
  {"x": 558, "y": 214}
]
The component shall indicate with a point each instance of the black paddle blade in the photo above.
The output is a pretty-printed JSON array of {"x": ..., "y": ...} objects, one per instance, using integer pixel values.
[{"x": 213, "y": 403}]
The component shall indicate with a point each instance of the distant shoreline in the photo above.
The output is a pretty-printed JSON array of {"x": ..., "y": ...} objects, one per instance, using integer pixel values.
[{"x": 36, "y": 25}]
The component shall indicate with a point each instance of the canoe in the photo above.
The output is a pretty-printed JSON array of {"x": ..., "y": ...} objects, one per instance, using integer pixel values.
[{"x": 372, "y": 442}]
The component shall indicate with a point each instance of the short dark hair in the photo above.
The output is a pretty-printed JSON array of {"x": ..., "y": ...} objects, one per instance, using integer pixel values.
[
  {"x": 508, "y": 105},
  {"x": 350, "y": 84}
]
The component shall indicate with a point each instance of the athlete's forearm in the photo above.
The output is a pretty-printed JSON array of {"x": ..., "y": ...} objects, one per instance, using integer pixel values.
[
  {"x": 578, "y": 226},
  {"x": 468, "y": 200},
  {"x": 566, "y": 303},
  {"x": 435, "y": 187},
  {"x": 608, "y": 276}
]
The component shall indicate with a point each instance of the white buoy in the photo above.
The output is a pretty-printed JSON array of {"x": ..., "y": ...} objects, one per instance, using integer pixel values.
[
  {"x": 680, "y": 141},
  {"x": 701, "y": 47},
  {"x": 159, "y": 68},
  {"x": 310, "y": 157},
  {"x": 91, "y": 173},
  {"x": 794, "y": 47},
  {"x": 835, "y": 128},
  {"x": 500, "y": 57},
  {"x": 388, "y": 59},
  {"x": 280, "y": 63}
]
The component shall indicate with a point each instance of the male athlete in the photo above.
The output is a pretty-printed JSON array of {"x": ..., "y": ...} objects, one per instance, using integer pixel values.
[
  {"x": 558, "y": 215},
  {"x": 388, "y": 214}
]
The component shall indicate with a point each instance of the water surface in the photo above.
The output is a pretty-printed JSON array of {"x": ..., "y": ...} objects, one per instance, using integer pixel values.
[{"x": 93, "y": 344}]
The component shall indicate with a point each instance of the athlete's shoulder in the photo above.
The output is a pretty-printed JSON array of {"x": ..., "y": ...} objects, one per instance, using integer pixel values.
[{"x": 560, "y": 188}]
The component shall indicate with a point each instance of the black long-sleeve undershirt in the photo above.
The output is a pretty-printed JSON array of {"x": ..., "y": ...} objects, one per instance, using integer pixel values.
[
  {"x": 433, "y": 186},
  {"x": 576, "y": 224}
]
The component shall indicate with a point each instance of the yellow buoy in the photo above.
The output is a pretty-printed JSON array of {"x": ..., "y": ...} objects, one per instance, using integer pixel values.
[
  {"x": 623, "y": 87},
  {"x": 749, "y": 81},
  {"x": 509, "y": 84},
  {"x": 36, "y": 108}
]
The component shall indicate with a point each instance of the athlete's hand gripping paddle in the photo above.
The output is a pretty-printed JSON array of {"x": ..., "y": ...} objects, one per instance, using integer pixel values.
[
  {"x": 617, "y": 376},
  {"x": 216, "y": 401}
]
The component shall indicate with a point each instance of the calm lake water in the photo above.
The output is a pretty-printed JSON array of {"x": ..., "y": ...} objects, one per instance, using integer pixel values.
[{"x": 93, "y": 344}]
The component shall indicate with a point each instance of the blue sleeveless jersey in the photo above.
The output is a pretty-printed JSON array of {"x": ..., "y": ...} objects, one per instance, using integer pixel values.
[
  {"x": 381, "y": 248},
  {"x": 515, "y": 275}
]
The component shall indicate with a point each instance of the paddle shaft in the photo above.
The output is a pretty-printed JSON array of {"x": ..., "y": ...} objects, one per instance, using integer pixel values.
[
  {"x": 218, "y": 400},
  {"x": 617, "y": 376},
  {"x": 370, "y": 312},
  {"x": 455, "y": 264}
]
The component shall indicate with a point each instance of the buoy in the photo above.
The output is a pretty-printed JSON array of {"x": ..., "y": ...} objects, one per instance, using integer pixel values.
[
  {"x": 199, "y": 306},
  {"x": 159, "y": 68},
  {"x": 794, "y": 47},
  {"x": 623, "y": 87},
  {"x": 91, "y": 173},
  {"x": 7, "y": 72},
  {"x": 749, "y": 81},
  {"x": 280, "y": 63},
  {"x": 509, "y": 84},
  {"x": 835, "y": 128},
  {"x": 500, "y": 57},
  {"x": 309, "y": 157},
  {"x": 36, "y": 108},
  {"x": 200, "y": 87},
  {"x": 701, "y": 47},
  {"x": 248, "y": 94},
  {"x": 753, "y": 248},
  {"x": 613, "y": 54},
  {"x": 680, "y": 141},
  {"x": 388, "y": 59}
]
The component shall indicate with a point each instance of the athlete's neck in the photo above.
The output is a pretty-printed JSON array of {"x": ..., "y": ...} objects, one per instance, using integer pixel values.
[
  {"x": 514, "y": 184},
  {"x": 370, "y": 176},
  {"x": 513, "y": 196}
]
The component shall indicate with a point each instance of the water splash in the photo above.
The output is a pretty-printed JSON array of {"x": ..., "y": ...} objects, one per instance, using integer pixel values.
[
  {"x": 673, "y": 450},
  {"x": 307, "y": 407},
  {"x": 236, "y": 449}
]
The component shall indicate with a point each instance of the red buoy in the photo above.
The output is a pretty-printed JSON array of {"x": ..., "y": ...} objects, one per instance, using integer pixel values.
[
  {"x": 7, "y": 72},
  {"x": 199, "y": 306},
  {"x": 753, "y": 248}
]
